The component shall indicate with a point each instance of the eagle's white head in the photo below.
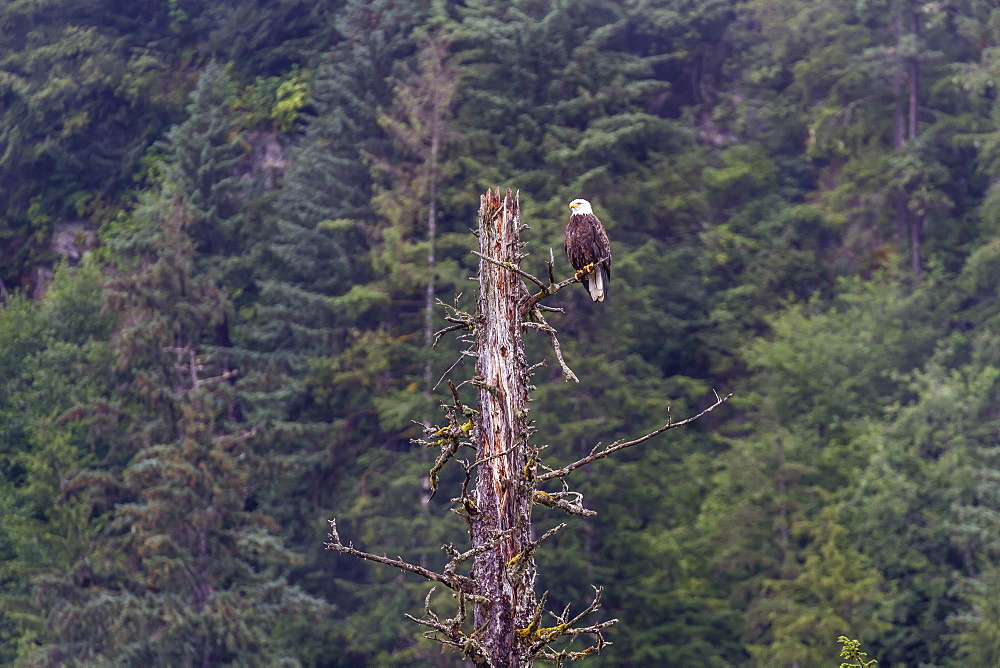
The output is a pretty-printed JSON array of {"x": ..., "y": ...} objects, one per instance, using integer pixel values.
[{"x": 580, "y": 206}]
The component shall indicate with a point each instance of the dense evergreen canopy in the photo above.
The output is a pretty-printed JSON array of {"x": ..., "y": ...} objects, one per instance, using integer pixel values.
[{"x": 224, "y": 224}]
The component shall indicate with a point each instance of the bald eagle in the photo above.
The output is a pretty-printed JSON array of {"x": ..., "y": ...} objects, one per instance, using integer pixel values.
[{"x": 588, "y": 249}]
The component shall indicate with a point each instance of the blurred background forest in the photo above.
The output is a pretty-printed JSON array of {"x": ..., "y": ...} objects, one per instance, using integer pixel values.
[{"x": 222, "y": 222}]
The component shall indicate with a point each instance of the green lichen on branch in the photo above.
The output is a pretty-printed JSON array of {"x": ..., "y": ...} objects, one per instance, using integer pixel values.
[
  {"x": 517, "y": 563},
  {"x": 449, "y": 438}
]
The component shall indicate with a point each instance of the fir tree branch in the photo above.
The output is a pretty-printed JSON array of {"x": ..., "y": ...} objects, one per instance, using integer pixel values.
[{"x": 596, "y": 454}]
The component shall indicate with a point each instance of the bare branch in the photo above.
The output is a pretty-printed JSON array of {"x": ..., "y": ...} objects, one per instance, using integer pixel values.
[
  {"x": 565, "y": 626},
  {"x": 519, "y": 561},
  {"x": 553, "y": 287},
  {"x": 454, "y": 395},
  {"x": 468, "y": 504},
  {"x": 462, "y": 320},
  {"x": 452, "y": 328},
  {"x": 461, "y": 358},
  {"x": 450, "y": 630},
  {"x": 594, "y": 605},
  {"x": 567, "y": 373},
  {"x": 484, "y": 460},
  {"x": 449, "y": 446},
  {"x": 555, "y": 500},
  {"x": 454, "y": 581},
  {"x": 511, "y": 267},
  {"x": 458, "y": 557},
  {"x": 546, "y": 291},
  {"x": 451, "y": 437},
  {"x": 531, "y": 629},
  {"x": 563, "y": 656},
  {"x": 621, "y": 445}
]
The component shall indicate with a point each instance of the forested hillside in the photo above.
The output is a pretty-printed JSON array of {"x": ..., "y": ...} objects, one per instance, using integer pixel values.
[{"x": 224, "y": 227}]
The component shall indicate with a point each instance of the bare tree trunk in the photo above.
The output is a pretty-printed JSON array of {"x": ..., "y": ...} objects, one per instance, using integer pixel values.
[
  {"x": 913, "y": 63},
  {"x": 905, "y": 129},
  {"x": 913, "y": 71},
  {"x": 898, "y": 110},
  {"x": 504, "y": 575},
  {"x": 431, "y": 261},
  {"x": 899, "y": 135}
]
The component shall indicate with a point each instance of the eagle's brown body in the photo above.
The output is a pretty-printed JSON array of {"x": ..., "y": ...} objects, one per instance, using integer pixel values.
[{"x": 588, "y": 249}]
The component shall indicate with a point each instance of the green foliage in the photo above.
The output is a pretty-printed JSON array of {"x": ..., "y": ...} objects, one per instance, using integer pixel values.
[
  {"x": 278, "y": 101},
  {"x": 246, "y": 352},
  {"x": 80, "y": 99},
  {"x": 828, "y": 586},
  {"x": 851, "y": 651},
  {"x": 51, "y": 353}
]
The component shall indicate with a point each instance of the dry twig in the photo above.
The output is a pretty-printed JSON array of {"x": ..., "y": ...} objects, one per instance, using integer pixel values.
[{"x": 596, "y": 454}]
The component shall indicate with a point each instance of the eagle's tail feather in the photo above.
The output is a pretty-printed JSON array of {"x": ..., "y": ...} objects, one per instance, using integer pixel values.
[{"x": 597, "y": 285}]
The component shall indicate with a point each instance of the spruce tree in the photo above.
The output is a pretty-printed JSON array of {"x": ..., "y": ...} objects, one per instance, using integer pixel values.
[
  {"x": 55, "y": 354},
  {"x": 183, "y": 568}
]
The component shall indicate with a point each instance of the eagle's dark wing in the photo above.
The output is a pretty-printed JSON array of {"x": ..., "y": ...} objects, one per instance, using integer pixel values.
[
  {"x": 586, "y": 244},
  {"x": 602, "y": 247}
]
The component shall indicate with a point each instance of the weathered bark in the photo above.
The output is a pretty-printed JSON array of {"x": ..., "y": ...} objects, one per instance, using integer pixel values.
[{"x": 504, "y": 575}]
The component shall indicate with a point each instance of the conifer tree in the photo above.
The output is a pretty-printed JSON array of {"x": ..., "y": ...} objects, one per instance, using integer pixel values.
[
  {"x": 54, "y": 356},
  {"x": 828, "y": 588},
  {"x": 407, "y": 191},
  {"x": 182, "y": 569},
  {"x": 203, "y": 153},
  {"x": 313, "y": 338},
  {"x": 83, "y": 91},
  {"x": 312, "y": 258}
]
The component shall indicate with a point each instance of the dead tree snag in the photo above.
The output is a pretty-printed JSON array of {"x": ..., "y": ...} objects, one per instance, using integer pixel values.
[
  {"x": 505, "y": 577},
  {"x": 507, "y": 626}
]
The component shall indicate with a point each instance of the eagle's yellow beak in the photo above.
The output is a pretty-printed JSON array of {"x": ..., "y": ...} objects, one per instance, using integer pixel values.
[{"x": 573, "y": 205}]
